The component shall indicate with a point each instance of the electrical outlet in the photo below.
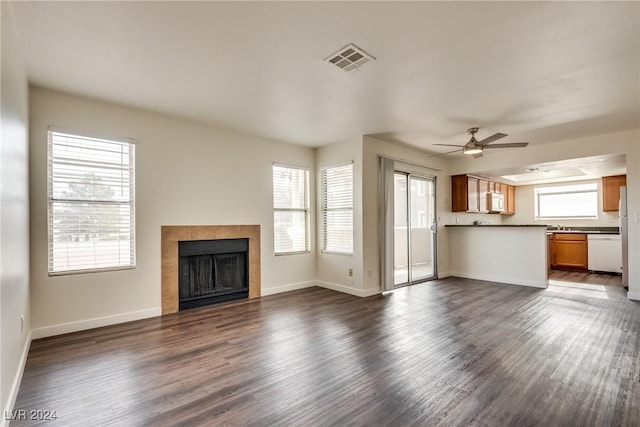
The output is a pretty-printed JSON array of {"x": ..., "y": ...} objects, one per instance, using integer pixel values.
[
  {"x": 457, "y": 220},
  {"x": 351, "y": 272},
  {"x": 22, "y": 324}
]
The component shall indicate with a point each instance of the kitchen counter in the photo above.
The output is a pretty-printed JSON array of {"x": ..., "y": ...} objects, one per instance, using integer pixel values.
[
  {"x": 589, "y": 230},
  {"x": 571, "y": 230},
  {"x": 580, "y": 232},
  {"x": 512, "y": 254},
  {"x": 496, "y": 225}
]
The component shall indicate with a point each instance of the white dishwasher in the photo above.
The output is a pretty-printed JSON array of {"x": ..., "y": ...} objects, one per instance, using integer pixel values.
[{"x": 604, "y": 252}]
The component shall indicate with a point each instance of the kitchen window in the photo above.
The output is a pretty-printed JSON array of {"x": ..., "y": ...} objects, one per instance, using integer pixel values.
[
  {"x": 91, "y": 208},
  {"x": 567, "y": 201},
  {"x": 337, "y": 209},
  {"x": 290, "y": 210}
]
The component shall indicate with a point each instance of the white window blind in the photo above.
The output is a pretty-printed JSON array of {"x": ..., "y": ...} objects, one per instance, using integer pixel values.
[
  {"x": 91, "y": 203},
  {"x": 567, "y": 201},
  {"x": 290, "y": 210},
  {"x": 337, "y": 209}
]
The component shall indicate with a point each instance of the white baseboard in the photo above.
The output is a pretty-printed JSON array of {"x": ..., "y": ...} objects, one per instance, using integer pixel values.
[
  {"x": 15, "y": 385},
  {"x": 97, "y": 322},
  {"x": 633, "y": 296},
  {"x": 347, "y": 290},
  {"x": 286, "y": 288},
  {"x": 506, "y": 280},
  {"x": 320, "y": 283}
]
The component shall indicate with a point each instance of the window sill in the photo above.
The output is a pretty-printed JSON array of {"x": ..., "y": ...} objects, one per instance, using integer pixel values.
[
  {"x": 291, "y": 253},
  {"x": 564, "y": 218},
  {"x": 88, "y": 271}
]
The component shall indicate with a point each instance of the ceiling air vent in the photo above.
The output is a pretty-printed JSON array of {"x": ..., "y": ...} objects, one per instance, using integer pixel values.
[{"x": 349, "y": 58}]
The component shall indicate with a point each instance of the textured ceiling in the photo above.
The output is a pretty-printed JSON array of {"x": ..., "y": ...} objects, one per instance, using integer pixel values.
[{"x": 538, "y": 71}]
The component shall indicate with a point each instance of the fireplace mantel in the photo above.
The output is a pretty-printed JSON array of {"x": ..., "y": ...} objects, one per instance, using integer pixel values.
[{"x": 172, "y": 234}]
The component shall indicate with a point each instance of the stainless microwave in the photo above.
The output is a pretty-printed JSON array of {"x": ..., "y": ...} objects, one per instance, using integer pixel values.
[{"x": 495, "y": 202}]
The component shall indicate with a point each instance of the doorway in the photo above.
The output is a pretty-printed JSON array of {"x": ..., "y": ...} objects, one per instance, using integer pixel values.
[{"x": 414, "y": 238}]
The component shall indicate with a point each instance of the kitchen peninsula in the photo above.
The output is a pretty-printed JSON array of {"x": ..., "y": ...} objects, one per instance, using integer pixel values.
[{"x": 513, "y": 254}]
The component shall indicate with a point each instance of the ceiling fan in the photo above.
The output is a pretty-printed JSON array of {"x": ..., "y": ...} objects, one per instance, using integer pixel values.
[{"x": 475, "y": 147}]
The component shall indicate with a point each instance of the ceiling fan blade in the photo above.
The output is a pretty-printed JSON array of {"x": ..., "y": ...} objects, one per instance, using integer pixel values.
[
  {"x": 477, "y": 156},
  {"x": 508, "y": 145},
  {"x": 444, "y": 154},
  {"x": 490, "y": 139},
  {"x": 449, "y": 145}
]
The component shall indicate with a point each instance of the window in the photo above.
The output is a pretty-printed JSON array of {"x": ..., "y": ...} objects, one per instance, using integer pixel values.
[
  {"x": 337, "y": 209},
  {"x": 290, "y": 210},
  {"x": 567, "y": 201},
  {"x": 91, "y": 203}
]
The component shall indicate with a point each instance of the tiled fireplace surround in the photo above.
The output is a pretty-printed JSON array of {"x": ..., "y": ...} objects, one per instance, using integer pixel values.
[{"x": 172, "y": 234}]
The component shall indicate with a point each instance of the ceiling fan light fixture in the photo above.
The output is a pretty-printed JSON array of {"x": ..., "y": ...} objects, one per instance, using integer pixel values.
[
  {"x": 472, "y": 150},
  {"x": 475, "y": 148}
]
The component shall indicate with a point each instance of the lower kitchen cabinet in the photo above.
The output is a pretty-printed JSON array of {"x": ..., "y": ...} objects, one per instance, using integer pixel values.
[
  {"x": 550, "y": 243},
  {"x": 569, "y": 250}
]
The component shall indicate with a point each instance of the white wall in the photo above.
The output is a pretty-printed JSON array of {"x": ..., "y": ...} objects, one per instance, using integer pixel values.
[
  {"x": 332, "y": 269},
  {"x": 372, "y": 149},
  {"x": 187, "y": 173},
  {"x": 470, "y": 218},
  {"x": 627, "y": 142},
  {"x": 525, "y": 209},
  {"x": 14, "y": 213},
  {"x": 515, "y": 255}
]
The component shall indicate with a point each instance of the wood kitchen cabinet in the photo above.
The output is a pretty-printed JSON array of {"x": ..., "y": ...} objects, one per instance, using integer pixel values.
[
  {"x": 460, "y": 193},
  {"x": 611, "y": 191},
  {"x": 473, "y": 195},
  {"x": 469, "y": 194},
  {"x": 509, "y": 200},
  {"x": 464, "y": 194},
  {"x": 550, "y": 243},
  {"x": 483, "y": 188},
  {"x": 569, "y": 250},
  {"x": 509, "y": 193}
]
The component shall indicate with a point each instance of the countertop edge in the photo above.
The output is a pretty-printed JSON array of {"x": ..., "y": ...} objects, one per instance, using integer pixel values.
[
  {"x": 496, "y": 225},
  {"x": 611, "y": 232}
]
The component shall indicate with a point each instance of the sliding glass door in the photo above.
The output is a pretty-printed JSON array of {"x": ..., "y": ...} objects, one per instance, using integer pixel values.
[{"x": 414, "y": 229}]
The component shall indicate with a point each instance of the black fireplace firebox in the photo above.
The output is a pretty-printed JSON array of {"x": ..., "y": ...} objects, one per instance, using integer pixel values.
[{"x": 213, "y": 271}]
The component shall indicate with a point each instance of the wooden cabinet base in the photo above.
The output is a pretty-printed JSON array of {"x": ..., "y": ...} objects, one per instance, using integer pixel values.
[
  {"x": 567, "y": 268},
  {"x": 569, "y": 251}
]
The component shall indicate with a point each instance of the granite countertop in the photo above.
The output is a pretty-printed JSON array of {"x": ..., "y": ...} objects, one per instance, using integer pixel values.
[
  {"x": 553, "y": 230},
  {"x": 616, "y": 231},
  {"x": 496, "y": 225}
]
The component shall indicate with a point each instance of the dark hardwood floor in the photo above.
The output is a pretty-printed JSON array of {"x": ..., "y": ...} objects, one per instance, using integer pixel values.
[
  {"x": 449, "y": 352},
  {"x": 585, "y": 277}
]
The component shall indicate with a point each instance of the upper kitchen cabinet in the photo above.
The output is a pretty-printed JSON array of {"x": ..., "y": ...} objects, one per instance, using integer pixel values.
[
  {"x": 509, "y": 194},
  {"x": 484, "y": 187},
  {"x": 611, "y": 191},
  {"x": 509, "y": 199},
  {"x": 464, "y": 194},
  {"x": 469, "y": 194}
]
